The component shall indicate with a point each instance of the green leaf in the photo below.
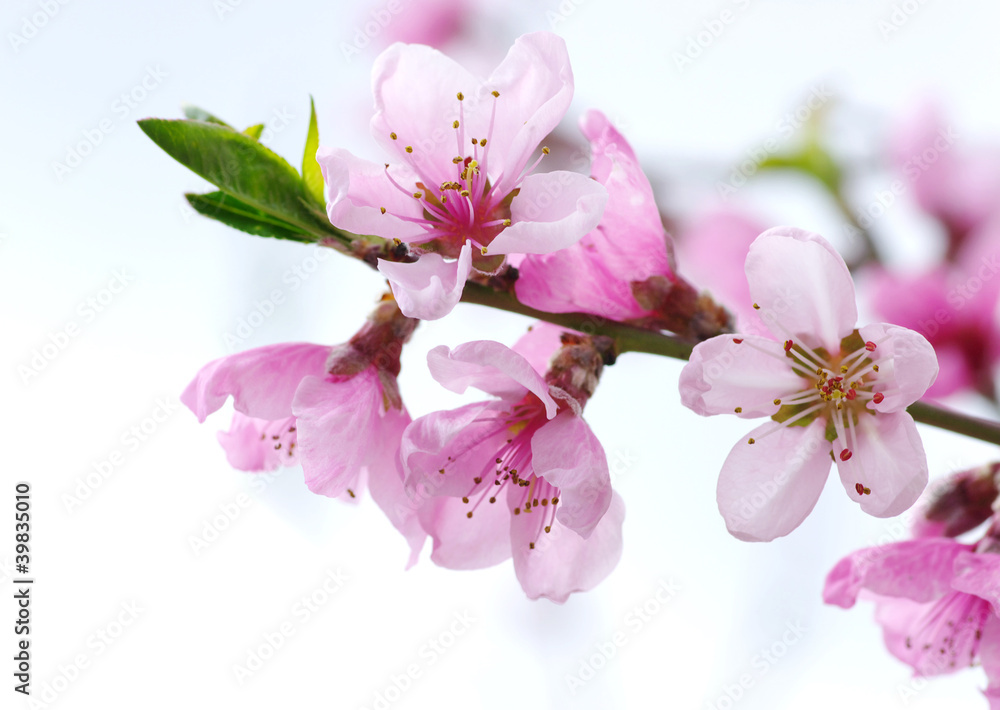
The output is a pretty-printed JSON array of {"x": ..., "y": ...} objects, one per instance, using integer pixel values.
[
  {"x": 232, "y": 212},
  {"x": 254, "y": 131},
  {"x": 242, "y": 168},
  {"x": 311, "y": 173},
  {"x": 200, "y": 114}
]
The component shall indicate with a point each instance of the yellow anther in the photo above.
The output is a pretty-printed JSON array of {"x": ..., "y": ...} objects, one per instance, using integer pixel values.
[
  {"x": 756, "y": 307},
  {"x": 382, "y": 209},
  {"x": 460, "y": 96},
  {"x": 506, "y": 223},
  {"x": 545, "y": 150},
  {"x": 418, "y": 195},
  {"x": 496, "y": 94},
  {"x": 464, "y": 193},
  {"x": 409, "y": 149},
  {"x": 483, "y": 250},
  {"x": 777, "y": 401},
  {"x": 457, "y": 159},
  {"x": 393, "y": 135},
  {"x": 738, "y": 410},
  {"x": 455, "y": 124},
  {"x": 751, "y": 440}
]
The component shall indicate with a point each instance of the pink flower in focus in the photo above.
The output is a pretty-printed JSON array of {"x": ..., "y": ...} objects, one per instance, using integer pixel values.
[
  {"x": 336, "y": 411},
  {"x": 937, "y": 600},
  {"x": 595, "y": 275},
  {"x": 521, "y": 475},
  {"x": 831, "y": 390},
  {"x": 461, "y": 194}
]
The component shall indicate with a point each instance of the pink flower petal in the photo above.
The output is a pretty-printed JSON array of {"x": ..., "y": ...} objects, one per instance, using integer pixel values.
[
  {"x": 335, "y": 422},
  {"x": 562, "y": 561},
  {"x": 358, "y": 190},
  {"x": 907, "y": 365},
  {"x": 250, "y": 443},
  {"x": 490, "y": 367},
  {"x": 261, "y": 381},
  {"x": 535, "y": 83},
  {"x": 430, "y": 287},
  {"x": 385, "y": 482},
  {"x": 767, "y": 489},
  {"x": 461, "y": 442},
  {"x": 539, "y": 344},
  {"x": 989, "y": 656},
  {"x": 461, "y": 542},
  {"x": 415, "y": 90},
  {"x": 887, "y": 458},
  {"x": 979, "y": 574},
  {"x": 631, "y": 218},
  {"x": 551, "y": 212},
  {"x": 802, "y": 286},
  {"x": 920, "y": 570},
  {"x": 723, "y": 374},
  {"x": 565, "y": 452}
]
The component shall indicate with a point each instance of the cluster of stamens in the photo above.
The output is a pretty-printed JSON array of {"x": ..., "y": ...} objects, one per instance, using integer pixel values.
[
  {"x": 508, "y": 469},
  {"x": 470, "y": 207},
  {"x": 837, "y": 389}
]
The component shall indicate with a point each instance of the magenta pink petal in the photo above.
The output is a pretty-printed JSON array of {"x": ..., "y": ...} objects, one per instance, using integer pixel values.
[
  {"x": 335, "y": 421},
  {"x": 490, "y": 367},
  {"x": 565, "y": 452},
  {"x": 461, "y": 542},
  {"x": 920, "y": 570},
  {"x": 562, "y": 562},
  {"x": 261, "y": 381},
  {"x": 979, "y": 574}
]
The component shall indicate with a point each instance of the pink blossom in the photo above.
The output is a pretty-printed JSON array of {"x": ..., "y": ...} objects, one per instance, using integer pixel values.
[
  {"x": 461, "y": 194},
  {"x": 430, "y": 22},
  {"x": 936, "y": 599},
  {"x": 961, "y": 189},
  {"x": 955, "y": 306},
  {"x": 596, "y": 274},
  {"x": 336, "y": 411},
  {"x": 518, "y": 476},
  {"x": 831, "y": 390}
]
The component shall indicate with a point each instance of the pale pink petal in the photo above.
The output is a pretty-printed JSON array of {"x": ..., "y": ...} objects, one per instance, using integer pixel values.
[
  {"x": 565, "y": 452},
  {"x": 551, "y": 212},
  {"x": 920, "y": 570},
  {"x": 887, "y": 458},
  {"x": 430, "y": 22},
  {"x": 261, "y": 381},
  {"x": 562, "y": 562},
  {"x": 336, "y": 421},
  {"x": 491, "y": 367},
  {"x": 250, "y": 443},
  {"x": 724, "y": 374},
  {"x": 358, "y": 191},
  {"x": 535, "y": 83},
  {"x": 463, "y": 443},
  {"x": 415, "y": 90},
  {"x": 803, "y": 287},
  {"x": 907, "y": 365},
  {"x": 430, "y": 287},
  {"x": 979, "y": 574},
  {"x": 540, "y": 343},
  {"x": 385, "y": 481},
  {"x": 461, "y": 542},
  {"x": 767, "y": 489}
]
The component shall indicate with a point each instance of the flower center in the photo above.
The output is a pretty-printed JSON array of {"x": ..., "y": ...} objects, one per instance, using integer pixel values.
[{"x": 466, "y": 204}]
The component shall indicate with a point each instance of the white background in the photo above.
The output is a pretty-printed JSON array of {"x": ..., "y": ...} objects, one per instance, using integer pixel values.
[{"x": 201, "y": 613}]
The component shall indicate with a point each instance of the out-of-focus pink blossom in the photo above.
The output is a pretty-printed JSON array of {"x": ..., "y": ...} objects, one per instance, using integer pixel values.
[
  {"x": 955, "y": 306},
  {"x": 462, "y": 193},
  {"x": 959, "y": 187},
  {"x": 832, "y": 391},
  {"x": 518, "y": 476},
  {"x": 937, "y": 600}
]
